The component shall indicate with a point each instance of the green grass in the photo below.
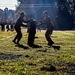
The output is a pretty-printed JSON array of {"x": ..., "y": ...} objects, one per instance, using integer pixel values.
[{"x": 15, "y": 60}]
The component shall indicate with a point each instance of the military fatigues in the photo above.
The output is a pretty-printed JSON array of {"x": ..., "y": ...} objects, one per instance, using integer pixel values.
[
  {"x": 18, "y": 29},
  {"x": 32, "y": 33},
  {"x": 49, "y": 31}
]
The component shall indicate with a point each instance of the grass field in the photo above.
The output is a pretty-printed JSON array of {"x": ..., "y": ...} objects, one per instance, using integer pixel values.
[{"x": 16, "y": 60}]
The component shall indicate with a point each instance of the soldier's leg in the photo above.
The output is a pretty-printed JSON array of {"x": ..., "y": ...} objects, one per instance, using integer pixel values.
[
  {"x": 16, "y": 37},
  {"x": 19, "y": 36},
  {"x": 47, "y": 35},
  {"x": 8, "y": 28},
  {"x": 2, "y": 27},
  {"x": 30, "y": 39}
]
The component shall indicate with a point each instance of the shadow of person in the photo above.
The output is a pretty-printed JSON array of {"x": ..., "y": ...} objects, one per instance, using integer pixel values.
[
  {"x": 36, "y": 37},
  {"x": 22, "y": 46},
  {"x": 56, "y": 47},
  {"x": 36, "y": 46}
]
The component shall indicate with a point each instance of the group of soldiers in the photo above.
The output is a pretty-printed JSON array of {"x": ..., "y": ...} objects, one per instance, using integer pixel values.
[
  {"x": 32, "y": 31},
  {"x": 7, "y": 26},
  {"x": 32, "y": 28}
]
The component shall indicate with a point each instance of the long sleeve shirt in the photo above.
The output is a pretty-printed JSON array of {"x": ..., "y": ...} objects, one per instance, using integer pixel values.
[
  {"x": 20, "y": 21},
  {"x": 48, "y": 22}
]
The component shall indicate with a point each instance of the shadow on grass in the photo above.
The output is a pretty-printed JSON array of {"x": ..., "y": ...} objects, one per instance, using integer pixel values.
[
  {"x": 49, "y": 68},
  {"x": 41, "y": 51},
  {"x": 36, "y": 46},
  {"x": 60, "y": 67},
  {"x": 66, "y": 67},
  {"x": 9, "y": 56},
  {"x": 22, "y": 46},
  {"x": 56, "y": 47}
]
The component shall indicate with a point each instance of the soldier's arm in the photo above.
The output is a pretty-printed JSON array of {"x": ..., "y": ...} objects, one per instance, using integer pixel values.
[{"x": 27, "y": 21}]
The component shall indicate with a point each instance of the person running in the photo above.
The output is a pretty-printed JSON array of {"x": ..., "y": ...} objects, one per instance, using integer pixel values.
[
  {"x": 18, "y": 25},
  {"x": 49, "y": 25}
]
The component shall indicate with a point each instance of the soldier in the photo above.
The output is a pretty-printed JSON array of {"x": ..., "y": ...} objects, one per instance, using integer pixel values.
[
  {"x": 49, "y": 31},
  {"x": 18, "y": 25},
  {"x": 2, "y": 26},
  {"x": 49, "y": 25},
  {"x": 32, "y": 32}
]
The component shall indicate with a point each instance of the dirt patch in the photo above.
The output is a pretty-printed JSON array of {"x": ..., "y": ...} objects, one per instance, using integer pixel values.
[
  {"x": 9, "y": 56},
  {"x": 66, "y": 67}
]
